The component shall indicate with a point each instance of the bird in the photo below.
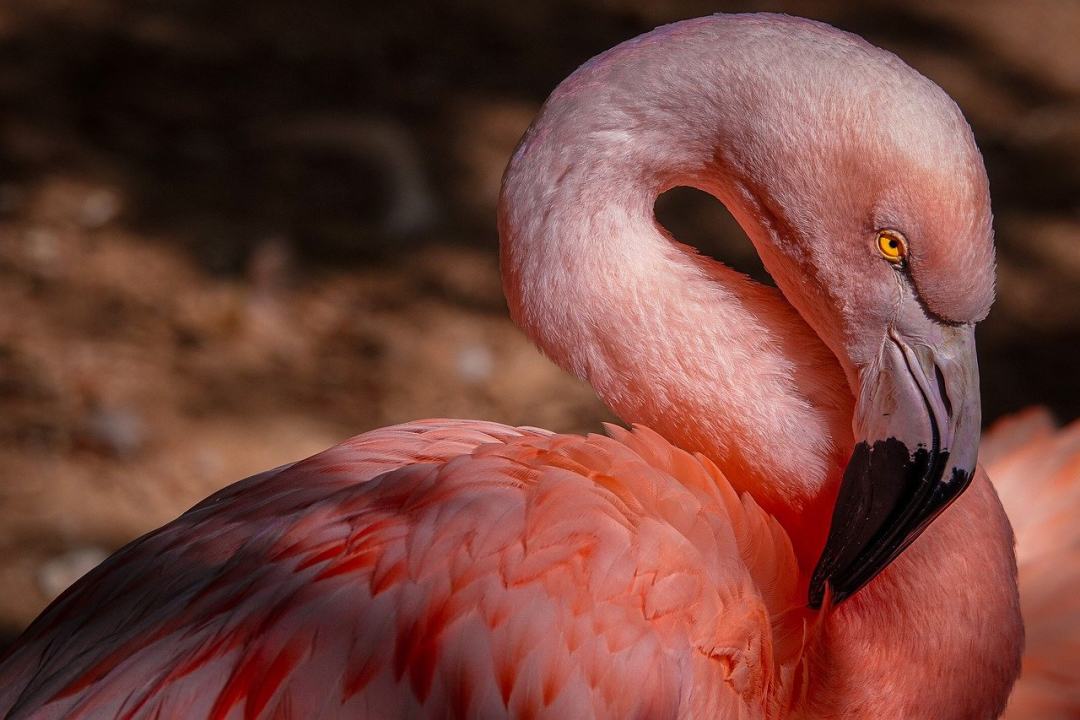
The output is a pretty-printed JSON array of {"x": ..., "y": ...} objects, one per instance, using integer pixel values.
[
  {"x": 1035, "y": 468},
  {"x": 793, "y": 523}
]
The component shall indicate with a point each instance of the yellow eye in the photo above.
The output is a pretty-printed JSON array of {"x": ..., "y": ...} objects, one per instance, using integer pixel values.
[{"x": 892, "y": 245}]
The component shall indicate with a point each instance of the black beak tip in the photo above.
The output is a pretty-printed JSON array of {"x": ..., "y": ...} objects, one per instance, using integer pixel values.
[
  {"x": 820, "y": 584},
  {"x": 888, "y": 496}
]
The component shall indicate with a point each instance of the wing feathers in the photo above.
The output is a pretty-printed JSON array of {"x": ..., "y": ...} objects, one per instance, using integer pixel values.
[{"x": 437, "y": 568}]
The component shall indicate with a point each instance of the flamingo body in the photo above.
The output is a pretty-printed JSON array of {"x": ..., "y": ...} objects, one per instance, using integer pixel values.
[
  {"x": 1035, "y": 467},
  {"x": 803, "y": 533},
  {"x": 438, "y": 568}
]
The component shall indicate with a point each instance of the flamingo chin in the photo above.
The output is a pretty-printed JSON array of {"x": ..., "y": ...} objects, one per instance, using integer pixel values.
[{"x": 808, "y": 446}]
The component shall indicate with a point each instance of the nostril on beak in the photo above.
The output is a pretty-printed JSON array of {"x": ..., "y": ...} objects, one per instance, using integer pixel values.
[{"x": 943, "y": 390}]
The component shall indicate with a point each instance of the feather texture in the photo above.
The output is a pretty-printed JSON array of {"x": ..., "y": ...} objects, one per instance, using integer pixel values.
[
  {"x": 1035, "y": 468},
  {"x": 435, "y": 568}
]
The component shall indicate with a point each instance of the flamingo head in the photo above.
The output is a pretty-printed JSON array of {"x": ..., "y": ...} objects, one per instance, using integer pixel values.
[
  {"x": 875, "y": 204},
  {"x": 859, "y": 182}
]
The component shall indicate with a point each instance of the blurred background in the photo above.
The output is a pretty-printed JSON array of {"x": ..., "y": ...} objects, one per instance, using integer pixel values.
[{"x": 232, "y": 234}]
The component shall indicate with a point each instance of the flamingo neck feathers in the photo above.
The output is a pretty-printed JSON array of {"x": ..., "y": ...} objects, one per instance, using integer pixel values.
[
  {"x": 719, "y": 364},
  {"x": 711, "y": 360}
]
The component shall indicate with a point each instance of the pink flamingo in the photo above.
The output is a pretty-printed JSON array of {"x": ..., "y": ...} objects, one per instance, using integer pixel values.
[
  {"x": 740, "y": 559},
  {"x": 1036, "y": 471}
]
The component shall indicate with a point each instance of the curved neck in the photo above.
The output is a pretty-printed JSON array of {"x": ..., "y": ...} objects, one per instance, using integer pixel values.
[
  {"x": 719, "y": 364},
  {"x": 711, "y": 360}
]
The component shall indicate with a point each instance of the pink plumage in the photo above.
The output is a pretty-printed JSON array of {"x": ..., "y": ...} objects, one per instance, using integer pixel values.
[
  {"x": 442, "y": 567},
  {"x": 802, "y": 533},
  {"x": 1035, "y": 468}
]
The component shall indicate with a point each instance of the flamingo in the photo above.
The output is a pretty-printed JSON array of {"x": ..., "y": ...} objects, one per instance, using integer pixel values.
[
  {"x": 794, "y": 526},
  {"x": 1035, "y": 468}
]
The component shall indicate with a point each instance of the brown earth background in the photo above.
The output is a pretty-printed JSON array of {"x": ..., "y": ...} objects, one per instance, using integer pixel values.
[{"x": 232, "y": 234}]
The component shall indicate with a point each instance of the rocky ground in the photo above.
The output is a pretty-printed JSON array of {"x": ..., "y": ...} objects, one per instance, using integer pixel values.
[{"x": 232, "y": 234}]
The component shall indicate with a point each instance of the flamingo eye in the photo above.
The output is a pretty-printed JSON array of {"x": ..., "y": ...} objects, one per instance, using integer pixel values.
[{"x": 892, "y": 245}]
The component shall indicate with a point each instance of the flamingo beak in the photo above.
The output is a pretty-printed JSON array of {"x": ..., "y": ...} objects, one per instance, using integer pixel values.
[{"x": 917, "y": 428}]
